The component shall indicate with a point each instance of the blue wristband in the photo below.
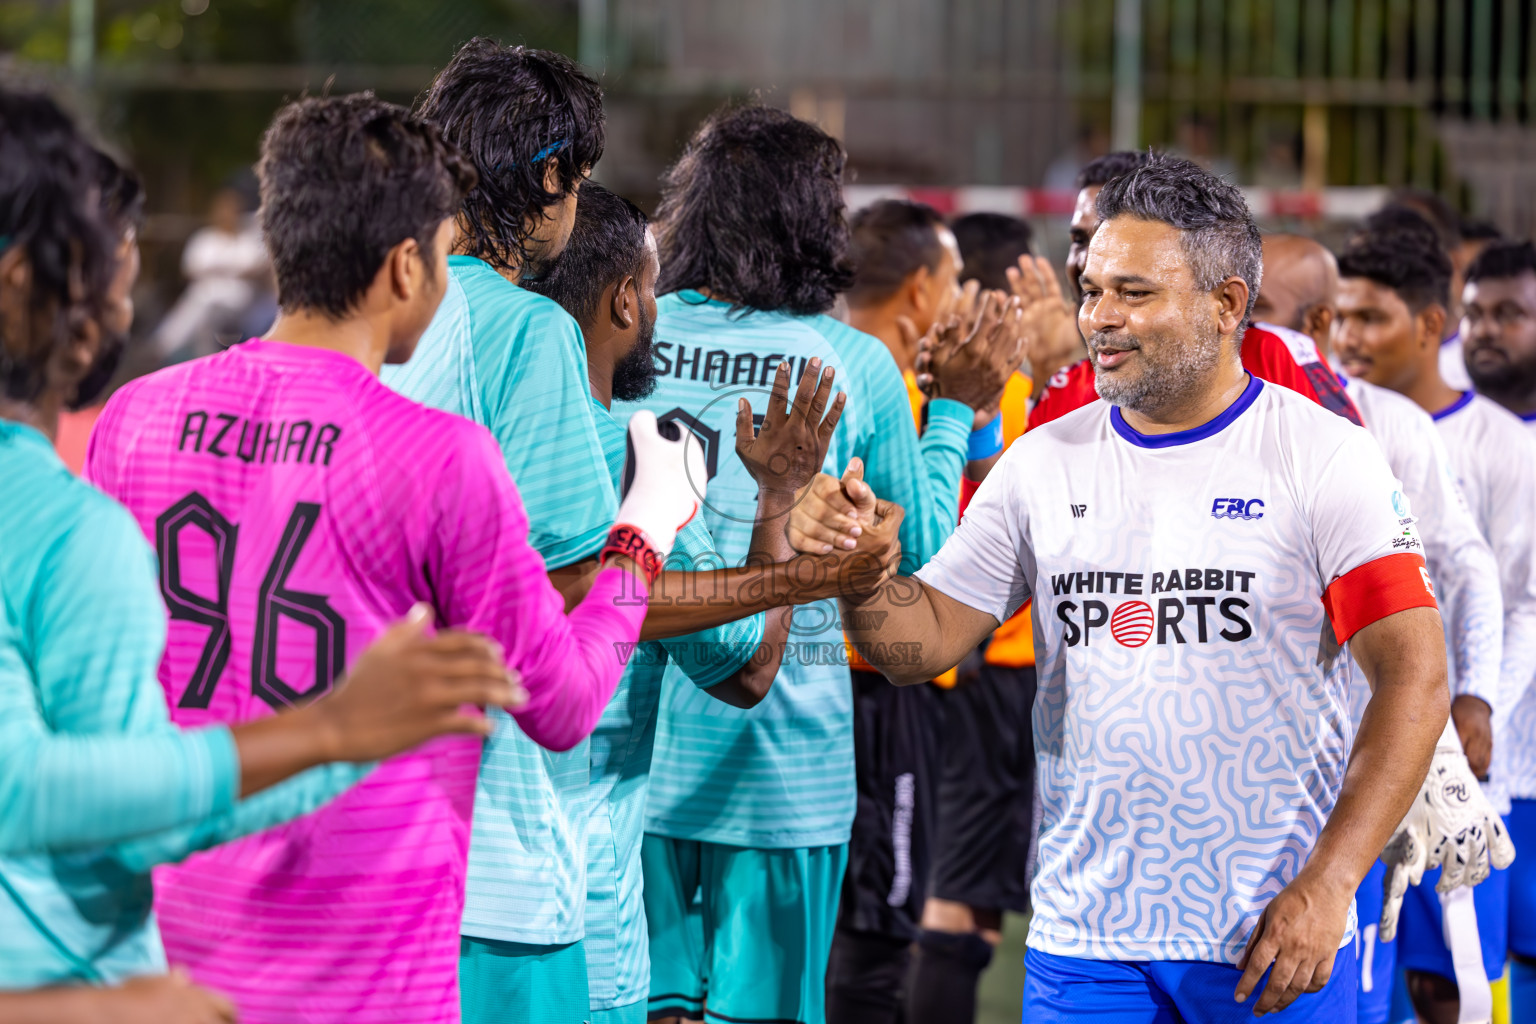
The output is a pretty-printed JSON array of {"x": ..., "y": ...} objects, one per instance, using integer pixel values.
[{"x": 987, "y": 441}]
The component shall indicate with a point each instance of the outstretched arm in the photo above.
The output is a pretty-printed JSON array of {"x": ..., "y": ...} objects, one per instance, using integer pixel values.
[{"x": 910, "y": 631}]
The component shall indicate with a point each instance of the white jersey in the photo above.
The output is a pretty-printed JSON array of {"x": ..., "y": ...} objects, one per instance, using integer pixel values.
[
  {"x": 1190, "y": 594},
  {"x": 1494, "y": 460},
  {"x": 1461, "y": 562}
]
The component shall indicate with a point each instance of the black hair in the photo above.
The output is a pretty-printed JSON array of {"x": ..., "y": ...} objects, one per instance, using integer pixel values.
[
  {"x": 512, "y": 109},
  {"x": 343, "y": 181},
  {"x": 1101, "y": 169},
  {"x": 990, "y": 243},
  {"x": 49, "y": 205},
  {"x": 1410, "y": 261},
  {"x": 1503, "y": 259},
  {"x": 607, "y": 243},
  {"x": 753, "y": 212},
  {"x": 1479, "y": 231},
  {"x": 890, "y": 240},
  {"x": 1216, "y": 231},
  {"x": 1435, "y": 210},
  {"x": 122, "y": 193},
  {"x": 1396, "y": 219}
]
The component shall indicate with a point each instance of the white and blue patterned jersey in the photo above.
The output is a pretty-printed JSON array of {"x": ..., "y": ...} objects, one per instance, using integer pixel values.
[
  {"x": 1461, "y": 562},
  {"x": 1191, "y": 594},
  {"x": 1494, "y": 460}
]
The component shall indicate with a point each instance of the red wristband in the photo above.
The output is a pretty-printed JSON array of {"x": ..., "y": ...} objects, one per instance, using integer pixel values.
[{"x": 632, "y": 543}]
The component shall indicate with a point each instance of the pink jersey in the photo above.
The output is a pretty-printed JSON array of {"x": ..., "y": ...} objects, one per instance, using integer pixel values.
[{"x": 299, "y": 506}]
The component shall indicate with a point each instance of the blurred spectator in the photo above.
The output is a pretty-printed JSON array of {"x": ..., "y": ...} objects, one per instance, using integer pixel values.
[
  {"x": 1195, "y": 140},
  {"x": 1279, "y": 168},
  {"x": 1061, "y": 175},
  {"x": 229, "y": 283}
]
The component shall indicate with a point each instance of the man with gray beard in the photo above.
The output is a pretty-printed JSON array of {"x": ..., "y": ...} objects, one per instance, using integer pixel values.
[{"x": 1199, "y": 548}]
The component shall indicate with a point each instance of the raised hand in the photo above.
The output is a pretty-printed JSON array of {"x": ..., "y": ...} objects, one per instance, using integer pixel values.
[
  {"x": 789, "y": 448},
  {"x": 830, "y": 514},
  {"x": 858, "y": 532},
  {"x": 665, "y": 480},
  {"x": 1048, "y": 321},
  {"x": 971, "y": 359}
]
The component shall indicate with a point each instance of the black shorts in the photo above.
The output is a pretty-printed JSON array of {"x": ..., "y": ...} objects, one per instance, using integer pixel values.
[
  {"x": 897, "y": 732},
  {"x": 981, "y": 850}
]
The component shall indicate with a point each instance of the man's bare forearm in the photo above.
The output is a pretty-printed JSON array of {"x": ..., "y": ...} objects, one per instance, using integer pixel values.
[
  {"x": 911, "y": 633},
  {"x": 1409, "y": 706}
]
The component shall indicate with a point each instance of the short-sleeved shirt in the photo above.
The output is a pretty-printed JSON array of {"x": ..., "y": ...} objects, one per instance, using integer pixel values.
[
  {"x": 616, "y": 942},
  {"x": 1494, "y": 461},
  {"x": 1191, "y": 594},
  {"x": 780, "y": 775},
  {"x": 514, "y": 361},
  {"x": 298, "y": 507}
]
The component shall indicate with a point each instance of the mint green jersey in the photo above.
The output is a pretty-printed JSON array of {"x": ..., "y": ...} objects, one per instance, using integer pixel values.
[
  {"x": 618, "y": 967},
  {"x": 96, "y": 783},
  {"x": 781, "y": 774},
  {"x": 515, "y": 362}
]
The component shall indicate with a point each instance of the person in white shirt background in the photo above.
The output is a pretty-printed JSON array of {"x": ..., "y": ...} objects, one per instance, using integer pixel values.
[
  {"x": 1393, "y": 300},
  {"x": 1297, "y": 300},
  {"x": 227, "y": 273}
]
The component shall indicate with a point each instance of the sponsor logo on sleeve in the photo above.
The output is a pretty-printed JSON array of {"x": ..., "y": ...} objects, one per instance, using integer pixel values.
[{"x": 1400, "y": 503}]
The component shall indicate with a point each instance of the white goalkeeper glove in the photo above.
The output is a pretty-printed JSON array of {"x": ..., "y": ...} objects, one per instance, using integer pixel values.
[
  {"x": 665, "y": 481},
  {"x": 1451, "y": 825}
]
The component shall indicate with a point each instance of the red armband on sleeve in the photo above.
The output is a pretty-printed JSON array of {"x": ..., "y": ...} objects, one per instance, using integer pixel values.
[{"x": 1382, "y": 587}]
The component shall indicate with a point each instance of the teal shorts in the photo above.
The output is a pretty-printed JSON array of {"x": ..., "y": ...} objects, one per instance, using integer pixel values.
[
  {"x": 513, "y": 981},
  {"x": 738, "y": 935},
  {"x": 632, "y": 1013}
]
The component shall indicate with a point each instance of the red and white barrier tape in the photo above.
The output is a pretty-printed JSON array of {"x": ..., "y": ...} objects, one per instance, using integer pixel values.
[{"x": 1330, "y": 203}]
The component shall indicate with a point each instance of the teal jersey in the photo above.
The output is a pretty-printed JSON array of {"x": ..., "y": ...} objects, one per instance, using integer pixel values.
[
  {"x": 97, "y": 785},
  {"x": 515, "y": 362},
  {"x": 781, "y": 774},
  {"x": 618, "y": 967}
]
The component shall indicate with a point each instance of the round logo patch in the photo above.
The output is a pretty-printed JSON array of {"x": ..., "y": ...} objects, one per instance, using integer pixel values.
[
  {"x": 1131, "y": 625},
  {"x": 1399, "y": 503}
]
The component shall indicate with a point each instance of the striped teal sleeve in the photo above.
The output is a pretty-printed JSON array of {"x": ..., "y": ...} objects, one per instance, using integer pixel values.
[
  {"x": 82, "y": 648},
  {"x": 299, "y": 795},
  {"x": 922, "y": 477},
  {"x": 60, "y": 791}
]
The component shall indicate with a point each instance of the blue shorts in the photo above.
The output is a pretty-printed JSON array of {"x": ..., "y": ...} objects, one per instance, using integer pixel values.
[
  {"x": 630, "y": 1013},
  {"x": 1377, "y": 960},
  {"x": 505, "y": 981},
  {"x": 1522, "y": 879},
  {"x": 1421, "y": 940},
  {"x": 1073, "y": 991}
]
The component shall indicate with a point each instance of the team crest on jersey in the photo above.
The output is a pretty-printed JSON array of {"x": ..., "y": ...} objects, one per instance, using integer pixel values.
[
  {"x": 1237, "y": 508},
  {"x": 1399, "y": 503}
]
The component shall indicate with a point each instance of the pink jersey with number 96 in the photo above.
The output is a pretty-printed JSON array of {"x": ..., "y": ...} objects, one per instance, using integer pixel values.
[{"x": 299, "y": 506}]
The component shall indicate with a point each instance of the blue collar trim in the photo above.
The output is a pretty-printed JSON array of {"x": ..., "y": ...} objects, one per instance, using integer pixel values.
[
  {"x": 1200, "y": 433},
  {"x": 1455, "y": 407}
]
